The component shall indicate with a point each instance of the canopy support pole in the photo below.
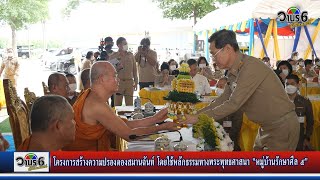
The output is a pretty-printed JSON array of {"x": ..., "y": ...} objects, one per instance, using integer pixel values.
[
  {"x": 251, "y": 25},
  {"x": 275, "y": 39},
  {"x": 314, "y": 37}
]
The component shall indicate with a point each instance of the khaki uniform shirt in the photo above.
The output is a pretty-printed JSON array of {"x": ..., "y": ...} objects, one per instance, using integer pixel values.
[
  {"x": 10, "y": 69},
  {"x": 304, "y": 110},
  {"x": 129, "y": 70},
  {"x": 255, "y": 89},
  {"x": 147, "y": 72}
]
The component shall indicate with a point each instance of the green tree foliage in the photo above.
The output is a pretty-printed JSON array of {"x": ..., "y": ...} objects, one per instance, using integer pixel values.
[
  {"x": 186, "y": 9},
  {"x": 18, "y": 14}
]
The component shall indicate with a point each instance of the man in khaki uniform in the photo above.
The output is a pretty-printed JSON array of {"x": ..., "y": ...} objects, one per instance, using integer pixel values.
[
  {"x": 127, "y": 75},
  {"x": 147, "y": 64},
  {"x": 303, "y": 110},
  {"x": 255, "y": 89},
  {"x": 10, "y": 67}
]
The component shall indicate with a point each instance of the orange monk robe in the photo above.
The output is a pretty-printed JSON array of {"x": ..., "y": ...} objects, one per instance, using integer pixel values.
[
  {"x": 88, "y": 137},
  {"x": 25, "y": 145}
]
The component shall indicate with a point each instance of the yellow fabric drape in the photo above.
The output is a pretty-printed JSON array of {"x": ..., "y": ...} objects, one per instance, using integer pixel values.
[
  {"x": 310, "y": 90},
  {"x": 267, "y": 38},
  {"x": 275, "y": 38},
  {"x": 313, "y": 39}
]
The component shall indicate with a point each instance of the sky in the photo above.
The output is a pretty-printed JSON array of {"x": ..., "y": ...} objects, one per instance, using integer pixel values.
[{"x": 91, "y": 21}]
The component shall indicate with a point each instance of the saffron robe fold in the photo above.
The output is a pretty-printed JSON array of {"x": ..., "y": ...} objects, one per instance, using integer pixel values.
[{"x": 88, "y": 137}]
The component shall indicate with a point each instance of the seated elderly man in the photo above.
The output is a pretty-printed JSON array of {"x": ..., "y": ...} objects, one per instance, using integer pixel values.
[
  {"x": 201, "y": 82},
  {"x": 58, "y": 84},
  {"x": 232, "y": 123},
  {"x": 85, "y": 79},
  {"x": 4, "y": 145},
  {"x": 52, "y": 125},
  {"x": 96, "y": 120}
]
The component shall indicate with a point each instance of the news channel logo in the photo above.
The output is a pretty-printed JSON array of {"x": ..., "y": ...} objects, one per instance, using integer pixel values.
[
  {"x": 31, "y": 161},
  {"x": 293, "y": 15}
]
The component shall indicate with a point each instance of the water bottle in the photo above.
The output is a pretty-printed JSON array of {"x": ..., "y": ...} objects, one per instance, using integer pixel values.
[{"x": 137, "y": 104}]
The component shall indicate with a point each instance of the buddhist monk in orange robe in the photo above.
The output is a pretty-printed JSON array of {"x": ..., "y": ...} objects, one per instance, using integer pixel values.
[
  {"x": 52, "y": 125},
  {"x": 96, "y": 120}
]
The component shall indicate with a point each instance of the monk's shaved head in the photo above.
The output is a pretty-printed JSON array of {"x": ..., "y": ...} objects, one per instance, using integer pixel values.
[
  {"x": 54, "y": 80},
  {"x": 98, "y": 69},
  {"x": 48, "y": 109}
]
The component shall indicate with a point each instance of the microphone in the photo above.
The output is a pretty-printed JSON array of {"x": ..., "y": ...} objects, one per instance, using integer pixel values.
[
  {"x": 119, "y": 94},
  {"x": 134, "y": 136}
]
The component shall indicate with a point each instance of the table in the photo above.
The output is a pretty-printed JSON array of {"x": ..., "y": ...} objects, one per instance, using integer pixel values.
[
  {"x": 2, "y": 96},
  {"x": 249, "y": 129},
  {"x": 156, "y": 96}
]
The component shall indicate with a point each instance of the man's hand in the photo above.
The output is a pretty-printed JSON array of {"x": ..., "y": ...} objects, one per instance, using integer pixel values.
[
  {"x": 171, "y": 126},
  {"x": 190, "y": 119},
  {"x": 161, "y": 115}
]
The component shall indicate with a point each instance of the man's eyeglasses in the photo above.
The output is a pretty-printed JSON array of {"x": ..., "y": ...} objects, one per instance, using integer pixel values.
[{"x": 215, "y": 55}]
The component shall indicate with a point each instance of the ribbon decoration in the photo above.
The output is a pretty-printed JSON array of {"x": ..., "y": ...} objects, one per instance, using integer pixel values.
[
  {"x": 275, "y": 38},
  {"x": 261, "y": 38},
  {"x": 267, "y": 38},
  {"x": 311, "y": 42},
  {"x": 251, "y": 25},
  {"x": 296, "y": 40}
]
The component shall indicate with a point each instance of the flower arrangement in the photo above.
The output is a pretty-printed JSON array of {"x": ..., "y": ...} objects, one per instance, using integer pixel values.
[{"x": 213, "y": 135}]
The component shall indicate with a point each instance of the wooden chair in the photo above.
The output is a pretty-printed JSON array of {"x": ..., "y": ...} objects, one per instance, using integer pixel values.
[
  {"x": 29, "y": 97},
  {"x": 18, "y": 114},
  {"x": 45, "y": 89}
]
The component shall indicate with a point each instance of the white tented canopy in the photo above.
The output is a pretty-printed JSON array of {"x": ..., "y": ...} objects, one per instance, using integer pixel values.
[
  {"x": 248, "y": 9},
  {"x": 238, "y": 16}
]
